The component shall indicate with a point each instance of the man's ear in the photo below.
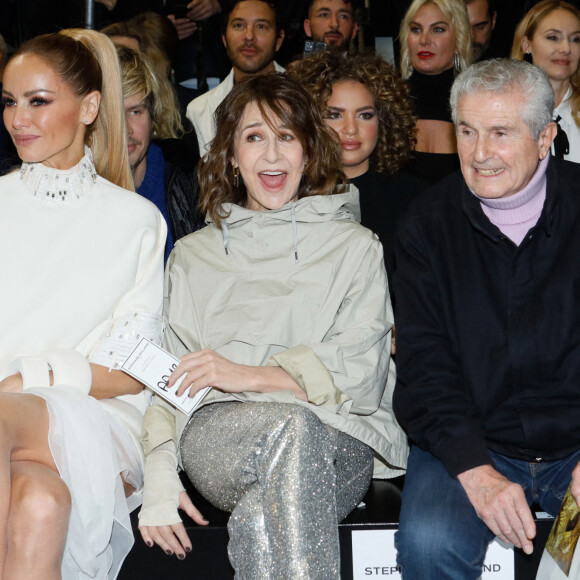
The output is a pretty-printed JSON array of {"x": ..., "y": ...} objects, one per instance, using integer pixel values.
[
  {"x": 493, "y": 19},
  {"x": 354, "y": 31},
  {"x": 307, "y": 28},
  {"x": 280, "y": 39},
  {"x": 90, "y": 107}
]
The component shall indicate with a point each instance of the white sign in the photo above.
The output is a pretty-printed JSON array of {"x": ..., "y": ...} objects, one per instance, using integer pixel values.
[
  {"x": 374, "y": 556},
  {"x": 152, "y": 365}
]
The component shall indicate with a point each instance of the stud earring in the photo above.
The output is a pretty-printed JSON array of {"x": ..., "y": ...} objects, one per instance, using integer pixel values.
[{"x": 85, "y": 120}]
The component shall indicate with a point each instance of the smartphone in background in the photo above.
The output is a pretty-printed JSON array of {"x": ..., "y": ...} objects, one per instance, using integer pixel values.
[
  {"x": 312, "y": 46},
  {"x": 180, "y": 10}
]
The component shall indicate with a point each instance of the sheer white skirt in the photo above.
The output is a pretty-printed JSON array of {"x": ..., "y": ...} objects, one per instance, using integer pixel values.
[{"x": 92, "y": 449}]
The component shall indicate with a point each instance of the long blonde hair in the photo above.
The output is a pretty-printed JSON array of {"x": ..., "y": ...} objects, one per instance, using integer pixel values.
[
  {"x": 456, "y": 12},
  {"x": 528, "y": 26},
  {"x": 108, "y": 136}
]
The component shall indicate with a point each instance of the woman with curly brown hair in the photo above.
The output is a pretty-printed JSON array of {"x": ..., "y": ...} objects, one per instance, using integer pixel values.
[
  {"x": 280, "y": 304},
  {"x": 365, "y": 101}
]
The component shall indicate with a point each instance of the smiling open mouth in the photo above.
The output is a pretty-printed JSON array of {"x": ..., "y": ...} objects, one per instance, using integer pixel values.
[
  {"x": 273, "y": 179},
  {"x": 488, "y": 172}
]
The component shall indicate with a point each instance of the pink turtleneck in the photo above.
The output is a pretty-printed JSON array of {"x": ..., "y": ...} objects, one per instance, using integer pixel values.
[{"x": 517, "y": 214}]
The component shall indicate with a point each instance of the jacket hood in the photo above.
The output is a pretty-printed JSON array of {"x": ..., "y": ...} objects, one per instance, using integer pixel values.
[
  {"x": 317, "y": 208},
  {"x": 313, "y": 209}
]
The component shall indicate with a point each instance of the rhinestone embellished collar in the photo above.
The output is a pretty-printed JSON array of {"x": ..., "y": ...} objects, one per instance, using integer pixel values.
[{"x": 60, "y": 185}]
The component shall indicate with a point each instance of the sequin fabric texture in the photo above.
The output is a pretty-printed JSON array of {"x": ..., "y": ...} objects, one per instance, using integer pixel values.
[{"x": 288, "y": 480}]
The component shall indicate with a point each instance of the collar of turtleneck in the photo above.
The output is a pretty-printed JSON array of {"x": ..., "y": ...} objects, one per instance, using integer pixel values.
[
  {"x": 516, "y": 214},
  {"x": 60, "y": 185}
]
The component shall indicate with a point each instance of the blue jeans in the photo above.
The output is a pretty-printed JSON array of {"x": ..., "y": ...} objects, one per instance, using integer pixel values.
[{"x": 440, "y": 536}]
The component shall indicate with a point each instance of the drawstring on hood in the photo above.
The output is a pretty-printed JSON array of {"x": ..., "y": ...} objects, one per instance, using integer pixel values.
[
  {"x": 295, "y": 233},
  {"x": 318, "y": 208},
  {"x": 226, "y": 236}
]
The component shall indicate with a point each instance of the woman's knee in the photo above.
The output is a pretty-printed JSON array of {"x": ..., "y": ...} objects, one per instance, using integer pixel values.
[
  {"x": 39, "y": 499},
  {"x": 303, "y": 424}
]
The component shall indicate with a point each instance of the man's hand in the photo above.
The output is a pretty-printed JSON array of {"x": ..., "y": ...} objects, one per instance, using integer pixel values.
[
  {"x": 501, "y": 504},
  {"x": 202, "y": 9},
  {"x": 174, "y": 539},
  {"x": 109, "y": 4},
  {"x": 184, "y": 26},
  {"x": 197, "y": 10}
]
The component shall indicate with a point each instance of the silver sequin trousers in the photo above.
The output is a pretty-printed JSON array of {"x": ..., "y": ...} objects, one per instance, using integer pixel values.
[{"x": 287, "y": 478}]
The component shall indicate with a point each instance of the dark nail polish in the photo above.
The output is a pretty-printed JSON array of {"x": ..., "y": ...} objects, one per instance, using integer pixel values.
[
  {"x": 181, "y": 556},
  {"x": 188, "y": 550},
  {"x": 169, "y": 552},
  {"x": 150, "y": 544}
]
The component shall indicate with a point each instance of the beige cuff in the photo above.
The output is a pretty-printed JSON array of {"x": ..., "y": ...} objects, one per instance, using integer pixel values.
[
  {"x": 302, "y": 364},
  {"x": 162, "y": 488}
]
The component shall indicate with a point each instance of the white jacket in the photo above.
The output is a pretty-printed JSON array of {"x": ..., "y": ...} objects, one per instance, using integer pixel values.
[{"x": 202, "y": 109}]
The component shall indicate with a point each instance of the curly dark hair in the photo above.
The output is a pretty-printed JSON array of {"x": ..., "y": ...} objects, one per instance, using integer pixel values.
[
  {"x": 320, "y": 72},
  {"x": 278, "y": 98}
]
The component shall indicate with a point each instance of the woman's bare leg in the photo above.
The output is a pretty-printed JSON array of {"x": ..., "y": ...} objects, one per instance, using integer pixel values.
[
  {"x": 37, "y": 522},
  {"x": 24, "y": 424}
]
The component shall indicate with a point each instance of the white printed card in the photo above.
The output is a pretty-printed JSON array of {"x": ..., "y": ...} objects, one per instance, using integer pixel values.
[{"x": 152, "y": 365}]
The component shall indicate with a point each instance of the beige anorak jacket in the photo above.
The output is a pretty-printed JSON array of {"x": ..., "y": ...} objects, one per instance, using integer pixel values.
[{"x": 304, "y": 288}]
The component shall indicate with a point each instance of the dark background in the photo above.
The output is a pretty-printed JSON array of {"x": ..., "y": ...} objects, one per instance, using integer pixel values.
[{"x": 22, "y": 19}]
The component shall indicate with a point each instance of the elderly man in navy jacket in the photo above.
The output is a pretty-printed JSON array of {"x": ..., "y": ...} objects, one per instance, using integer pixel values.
[{"x": 488, "y": 330}]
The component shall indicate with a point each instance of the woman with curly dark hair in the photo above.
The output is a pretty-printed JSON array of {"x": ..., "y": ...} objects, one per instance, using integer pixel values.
[
  {"x": 365, "y": 101},
  {"x": 281, "y": 304}
]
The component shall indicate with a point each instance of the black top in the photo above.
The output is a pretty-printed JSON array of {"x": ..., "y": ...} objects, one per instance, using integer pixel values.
[
  {"x": 488, "y": 333},
  {"x": 383, "y": 200},
  {"x": 181, "y": 186},
  {"x": 433, "y": 167},
  {"x": 430, "y": 95}
]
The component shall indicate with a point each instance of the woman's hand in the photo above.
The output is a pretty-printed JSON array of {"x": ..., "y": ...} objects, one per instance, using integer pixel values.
[
  {"x": 11, "y": 384},
  {"x": 174, "y": 539},
  {"x": 207, "y": 368}
]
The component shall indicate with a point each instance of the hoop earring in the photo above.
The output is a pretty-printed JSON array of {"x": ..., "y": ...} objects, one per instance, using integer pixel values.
[
  {"x": 528, "y": 57},
  {"x": 409, "y": 64},
  {"x": 236, "y": 172},
  {"x": 457, "y": 63}
]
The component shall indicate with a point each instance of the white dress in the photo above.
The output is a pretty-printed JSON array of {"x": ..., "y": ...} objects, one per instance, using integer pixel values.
[{"x": 82, "y": 264}]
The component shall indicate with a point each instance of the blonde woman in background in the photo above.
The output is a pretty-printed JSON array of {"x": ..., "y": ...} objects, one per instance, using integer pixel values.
[
  {"x": 549, "y": 37},
  {"x": 435, "y": 38}
]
